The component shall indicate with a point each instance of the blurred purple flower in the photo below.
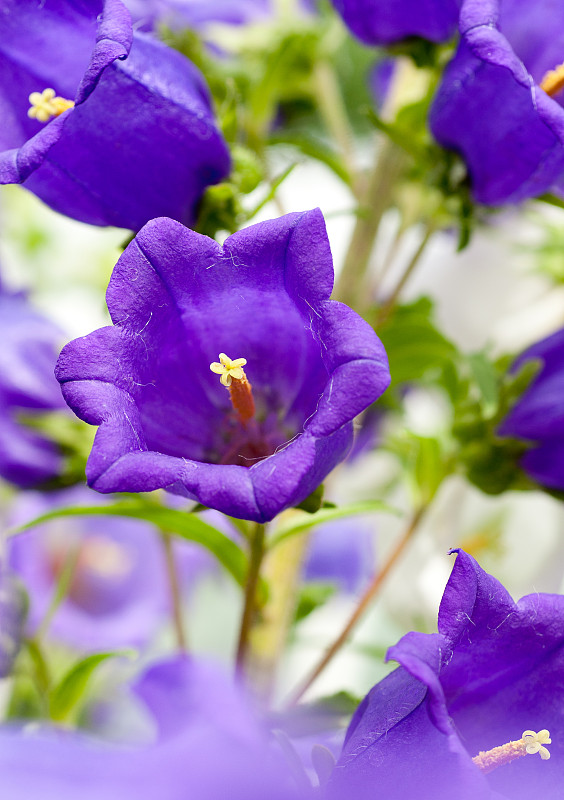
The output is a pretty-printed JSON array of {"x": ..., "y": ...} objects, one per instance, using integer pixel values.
[
  {"x": 209, "y": 746},
  {"x": 118, "y": 593},
  {"x": 494, "y": 671},
  {"x": 177, "y": 300},
  {"x": 27, "y": 359},
  {"x": 140, "y": 141},
  {"x": 539, "y": 414},
  {"x": 389, "y": 21},
  {"x": 491, "y": 105},
  {"x": 196, "y": 14},
  {"x": 341, "y": 552},
  {"x": 13, "y": 609}
]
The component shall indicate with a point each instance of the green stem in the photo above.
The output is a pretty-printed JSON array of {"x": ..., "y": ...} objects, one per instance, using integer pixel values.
[
  {"x": 256, "y": 556},
  {"x": 282, "y": 570},
  {"x": 376, "y": 199},
  {"x": 175, "y": 592},
  {"x": 365, "y": 602},
  {"x": 390, "y": 303},
  {"x": 334, "y": 113}
]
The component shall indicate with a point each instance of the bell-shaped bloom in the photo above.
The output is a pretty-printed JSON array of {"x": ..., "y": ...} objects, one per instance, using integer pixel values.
[
  {"x": 118, "y": 593},
  {"x": 342, "y": 553},
  {"x": 121, "y": 129},
  {"x": 28, "y": 352},
  {"x": 492, "y": 673},
  {"x": 248, "y": 446},
  {"x": 208, "y": 746},
  {"x": 538, "y": 416},
  {"x": 389, "y": 21},
  {"x": 13, "y": 609},
  {"x": 498, "y": 106}
]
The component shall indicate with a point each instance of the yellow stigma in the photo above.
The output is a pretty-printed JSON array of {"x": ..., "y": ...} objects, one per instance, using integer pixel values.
[
  {"x": 240, "y": 390},
  {"x": 529, "y": 743},
  {"x": 46, "y": 104},
  {"x": 229, "y": 369},
  {"x": 553, "y": 81}
]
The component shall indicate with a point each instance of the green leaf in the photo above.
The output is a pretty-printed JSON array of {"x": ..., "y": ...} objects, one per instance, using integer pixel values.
[
  {"x": 413, "y": 343},
  {"x": 305, "y": 521},
  {"x": 184, "y": 524},
  {"x": 70, "y": 690},
  {"x": 311, "y": 596},
  {"x": 486, "y": 378},
  {"x": 313, "y": 502}
]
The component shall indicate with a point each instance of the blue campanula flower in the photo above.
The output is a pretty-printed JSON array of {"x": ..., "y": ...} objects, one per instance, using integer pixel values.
[
  {"x": 118, "y": 592},
  {"x": 475, "y": 711},
  {"x": 388, "y": 21},
  {"x": 500, "y": 103},
  {"x": 538, "y": 416},
  {"x": 208, "y": 745},
  {"x": 27, "y": 359},
  {"x": 294, "y": 367},
  {"x": 120, "y": 127}
]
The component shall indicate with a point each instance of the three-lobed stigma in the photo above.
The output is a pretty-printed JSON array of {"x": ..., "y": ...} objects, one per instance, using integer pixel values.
[
  {"x": 553, "y": 81},
  {"x": 529, "y": 744},
  {"x": 47, "y": 104},
  {"x": 240, "y": 390}
]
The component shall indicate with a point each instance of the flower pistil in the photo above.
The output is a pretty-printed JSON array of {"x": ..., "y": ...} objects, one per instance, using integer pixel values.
[
  {"x": 240, "y": 390},
  {"x": 529, "y": 743},
  {"x": 47, "y": 104},
  {"x": 553, "y": 81}
]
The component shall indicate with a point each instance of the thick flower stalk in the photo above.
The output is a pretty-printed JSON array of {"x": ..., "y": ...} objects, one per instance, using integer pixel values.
[
  {"x": 388, "y": 21},
  {"x": 178, "y": 300},
  {"x": 538, "y": 417},
  {"x": 27, "y": 387},
  {"x": 475, "y": 711},
  {"x": 105, "y": 126},
  {"x": 500, "y": 101}
]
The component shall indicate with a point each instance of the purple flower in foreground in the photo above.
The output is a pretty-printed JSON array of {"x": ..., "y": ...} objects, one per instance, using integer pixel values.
[
  {"x": 137, "y": 139},
  {"x": 118, "y": 593},
  {"x": 494, "y": 671},
  {"x": 388, "y": 21},
  {"x": 178, "y": 299},
  {"x": 539, "y": 414},
  {"x": 27, "y": 358},
  {"x": 498, "y": 105},
  {"x": 209, "y": 746},
  {"x": 13, "y": 608}
]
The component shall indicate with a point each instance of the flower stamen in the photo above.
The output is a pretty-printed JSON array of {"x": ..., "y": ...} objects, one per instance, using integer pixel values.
[
  {"x": 553, "y": 81},
  {"x": 46, "y": 104},
  {"x": 240, "y": 390},
  {"x": 529, "y": 743}
]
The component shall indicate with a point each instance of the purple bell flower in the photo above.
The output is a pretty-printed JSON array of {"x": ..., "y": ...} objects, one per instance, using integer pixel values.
[
  {"x": 118, "y": 593},
  {"x": 539, "y": 414},
  {"x": 389, "y": 21},
  {"x": 27, "y": 357},
  {"x": 500, "y": 101},
  {"x": 492, "y": 675},
  {"x": 208, "y": 746},
  {"x": 341, "y": 552},
  {"x": 120, "y": 129},
  {"x": 247, "y": 447}
]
